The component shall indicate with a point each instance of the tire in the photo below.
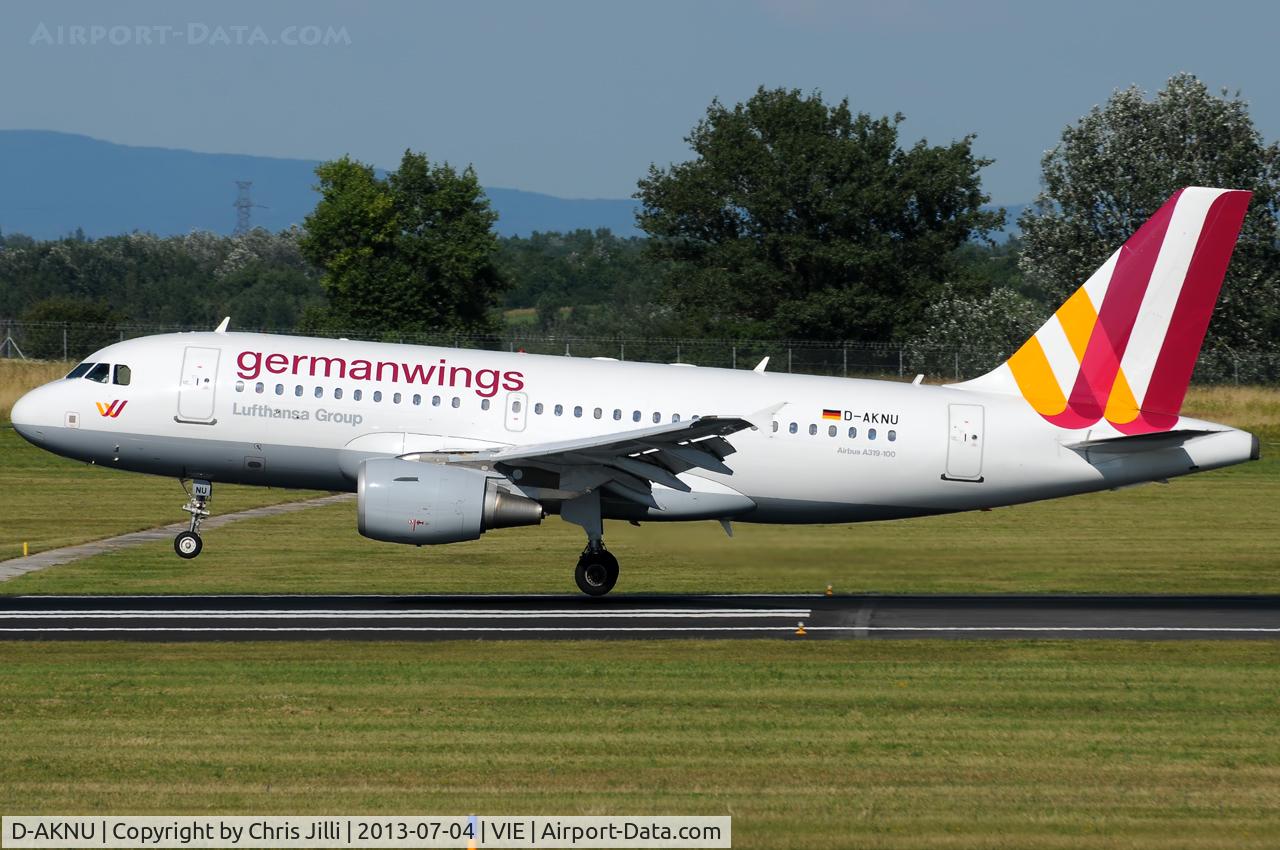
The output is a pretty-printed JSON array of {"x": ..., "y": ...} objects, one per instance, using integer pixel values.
[
  {"x": 188, "y": 545},
  {"x": 597, "y": 573}
]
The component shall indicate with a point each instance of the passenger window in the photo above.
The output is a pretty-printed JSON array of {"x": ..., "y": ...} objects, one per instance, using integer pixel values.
[
  {"x": 831, "y": 432},
  {"x": 792, "y": 428},
  {"x": 297, "y": 390},
  {"x": 377, "y": 395},
  {"x": 279, "y": 389},
  {"x": 657, "y": 417},
  {"x": 853, "y": 433},
  {"x": 79, "y": 371},
  {"x": 597, "y": 413},
  {"x": 515, "y": 406},
  {"x": 123, "y": 375},
  {"x": 239, "y": 386},
  {"x": 417, "y": 399},
  {"x": 455, "y": 401},
  {"x": 577, "y": 411},
  {"x": 617, "y": 415},
  {"x": 100, "y": 373},
  {"x": 319, "y": 392},
  {"x": 635, "y": 416},
  {"x": 258, "y": 388},
  {"x": 357, "y": 395},
  {"x": 775, "y": 426},
  {"x": 871, "y": 433},
  {"x": 484, "y": 404},
  {"x": 395, "y": 399},
  {"x": 337, "y": 393},
  {"x": 813, "y": 429},
  {"x": 675, "y": 417},
  {"x": 537, "y": 408},
  {"x": 892, "y": 435},
  {"x": 435, "y": 401},
  {"x": 559, "y": 409}
]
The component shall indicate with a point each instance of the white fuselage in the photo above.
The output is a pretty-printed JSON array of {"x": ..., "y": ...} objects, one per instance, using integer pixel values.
[{"x": 303, "y": 412}]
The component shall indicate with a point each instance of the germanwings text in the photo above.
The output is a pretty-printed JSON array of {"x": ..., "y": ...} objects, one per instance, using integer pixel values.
[{"x": 485, "y": 382}]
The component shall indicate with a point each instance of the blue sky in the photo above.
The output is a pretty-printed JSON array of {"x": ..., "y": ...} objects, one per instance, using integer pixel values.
[{"x": 577, "y": 98}]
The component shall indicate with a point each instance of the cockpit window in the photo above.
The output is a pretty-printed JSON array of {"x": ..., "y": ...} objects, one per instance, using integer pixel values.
[
  {"x": 79, "y": 371},
  {"x": 123, "y": 375},
  {"x": 100, "y": 373}
]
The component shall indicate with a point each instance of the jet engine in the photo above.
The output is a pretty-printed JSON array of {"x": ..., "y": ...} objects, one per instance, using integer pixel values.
[{"x": 405, "y": 501}]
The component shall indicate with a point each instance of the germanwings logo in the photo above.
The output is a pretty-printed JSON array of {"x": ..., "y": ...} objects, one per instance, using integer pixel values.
[
  {"x": 111, "y": 410},
  {"x": 1124, "y": 345}
]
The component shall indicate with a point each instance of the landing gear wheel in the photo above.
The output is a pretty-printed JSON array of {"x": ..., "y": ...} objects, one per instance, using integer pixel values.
[
  {"x": 188, "y": 544},
  {"x": 597, "y": 573}
]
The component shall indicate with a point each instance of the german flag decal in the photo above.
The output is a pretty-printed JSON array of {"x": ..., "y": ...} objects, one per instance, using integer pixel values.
[{"x": 827, "y": 413}]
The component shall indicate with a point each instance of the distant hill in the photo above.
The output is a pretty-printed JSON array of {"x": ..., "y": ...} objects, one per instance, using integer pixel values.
[{"x": 52, "y": 183}]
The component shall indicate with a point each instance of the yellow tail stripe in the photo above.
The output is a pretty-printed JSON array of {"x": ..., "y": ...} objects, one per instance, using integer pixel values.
[
  {"x": 1122, "y": 407},
  {"x": 1035, "y": 379},
  {"x": 1078, "y": 317}
]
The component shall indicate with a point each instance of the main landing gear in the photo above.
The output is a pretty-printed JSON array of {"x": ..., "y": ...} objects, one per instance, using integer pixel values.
[
  {"x": 597, "y": 570},
  {"x": 188, "y": 543}
]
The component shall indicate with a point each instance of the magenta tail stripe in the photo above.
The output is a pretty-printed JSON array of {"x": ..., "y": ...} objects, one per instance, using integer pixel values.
[
  {"x": 1118, "y": 313},
  {"x": 1190, "y": 320}
]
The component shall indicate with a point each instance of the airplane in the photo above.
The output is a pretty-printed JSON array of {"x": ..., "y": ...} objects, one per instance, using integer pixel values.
[{"x": 441, "y": 445}]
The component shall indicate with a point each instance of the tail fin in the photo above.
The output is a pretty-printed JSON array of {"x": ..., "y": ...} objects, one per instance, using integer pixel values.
[{"x": 1124, "y": 345}]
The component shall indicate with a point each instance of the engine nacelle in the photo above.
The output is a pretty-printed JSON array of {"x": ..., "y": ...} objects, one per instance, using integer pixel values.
[{"x": 405, "y": 501}]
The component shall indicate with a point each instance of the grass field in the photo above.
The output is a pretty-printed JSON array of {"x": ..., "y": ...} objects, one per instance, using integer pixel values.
[{"x": 832, "y": 744}]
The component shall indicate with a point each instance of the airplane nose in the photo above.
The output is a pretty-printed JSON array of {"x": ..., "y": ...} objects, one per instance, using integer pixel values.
[{"x": 24, "y": 417}]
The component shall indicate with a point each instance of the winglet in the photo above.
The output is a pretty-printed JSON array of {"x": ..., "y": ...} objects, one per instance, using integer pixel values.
[
  {"x": 760, "y": 367},
  {"x": 222, "y": 328}
]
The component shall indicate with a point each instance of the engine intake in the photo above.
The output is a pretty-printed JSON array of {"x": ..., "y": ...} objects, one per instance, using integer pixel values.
[{"x": 405, "y": 501}]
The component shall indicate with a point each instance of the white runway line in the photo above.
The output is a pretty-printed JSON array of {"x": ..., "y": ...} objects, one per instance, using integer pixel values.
[
  {"x": 343, "y": 614},
  {"x": 624, "y": 629}
]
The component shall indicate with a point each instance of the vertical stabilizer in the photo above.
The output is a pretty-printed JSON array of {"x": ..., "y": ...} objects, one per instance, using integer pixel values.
[{"x": 1123, "y": 346}]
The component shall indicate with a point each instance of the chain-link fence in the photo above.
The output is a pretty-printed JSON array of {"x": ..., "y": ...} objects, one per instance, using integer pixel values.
[{"x": 849, "y": 358}]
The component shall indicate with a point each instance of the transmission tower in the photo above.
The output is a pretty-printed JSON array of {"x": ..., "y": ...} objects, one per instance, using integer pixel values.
[{"x": 244, "y": 207}]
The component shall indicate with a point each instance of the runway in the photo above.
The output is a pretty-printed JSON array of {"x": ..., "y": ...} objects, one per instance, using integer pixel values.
[{"x": 791, "y": 617}]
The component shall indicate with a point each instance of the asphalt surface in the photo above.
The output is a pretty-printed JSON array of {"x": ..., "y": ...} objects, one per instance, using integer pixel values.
[{"x": 203, "y": 618}]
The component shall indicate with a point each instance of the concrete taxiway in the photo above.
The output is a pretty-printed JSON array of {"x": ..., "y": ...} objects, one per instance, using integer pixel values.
[{"x": 796, "y": 617}]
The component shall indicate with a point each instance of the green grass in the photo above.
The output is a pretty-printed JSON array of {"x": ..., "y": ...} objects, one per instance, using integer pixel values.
[
  {"x": 50, "y": 501},
  {"x": 849, "y": 744}
]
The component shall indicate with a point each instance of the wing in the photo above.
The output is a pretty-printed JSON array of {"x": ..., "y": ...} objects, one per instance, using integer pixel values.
[{"x": 625, "y": 463}]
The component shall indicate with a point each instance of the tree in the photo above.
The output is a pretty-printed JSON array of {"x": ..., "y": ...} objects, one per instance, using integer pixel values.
[
  {"x": 971, "y": 335},
  {"x": 409, "y": 253},
  {"x": 60, "y": 328},
  {"x": 1121, "y": 162},
  {"x": 798, "y": 219}
]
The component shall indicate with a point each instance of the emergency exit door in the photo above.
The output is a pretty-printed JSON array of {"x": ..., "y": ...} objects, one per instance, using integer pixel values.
[
  {"x": 964, "y": 446},
  {"x": 198, "y": 384}
]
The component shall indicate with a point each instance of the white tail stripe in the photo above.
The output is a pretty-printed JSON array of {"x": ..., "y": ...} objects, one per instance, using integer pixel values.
[
  {"x": 1057, "y": 349},
  {"x": 1097, "y": 284},
  {"x": 1167, "y": 279}
]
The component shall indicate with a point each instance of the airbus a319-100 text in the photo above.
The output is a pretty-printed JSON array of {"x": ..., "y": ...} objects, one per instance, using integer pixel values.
[{"x": 442, "y": 445}]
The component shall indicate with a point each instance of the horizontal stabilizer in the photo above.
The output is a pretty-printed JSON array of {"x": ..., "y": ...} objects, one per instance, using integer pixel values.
[{"x": 1129, "y": 443}]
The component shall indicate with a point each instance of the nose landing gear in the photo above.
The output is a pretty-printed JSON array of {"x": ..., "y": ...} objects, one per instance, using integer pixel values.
[{"x": 188, "y": 544}]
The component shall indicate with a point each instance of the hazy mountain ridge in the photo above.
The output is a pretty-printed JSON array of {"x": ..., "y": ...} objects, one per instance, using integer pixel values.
[{"x": 53, "y": 183}]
